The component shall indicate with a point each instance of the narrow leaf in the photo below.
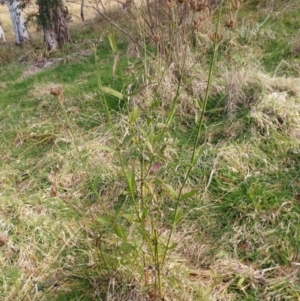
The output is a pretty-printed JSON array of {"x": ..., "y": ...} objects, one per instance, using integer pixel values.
[
  {"x": 127, "y": 247},
  {"x": 104, "y": 220},
  {"x": 149, "y": 146},
  {"x": 198, "y": 153},
  {"x": 188, "y": 195},
  {"x": 119, "y": 231},
  {"x": 240, "y": 283},
  {"x": 161, "y": 125},
  {"x": 178, "y": 215},
  {"x": 215, "y": 110},
  {"x": 131, "y": 180},
  {"x": 171, "y": 190},
  {"x": 173, "y": 246},
  {"x": 105, "y": 148},
  {"x": 129, "y": 217},
  {"x": 134, "y": 115},
  {"x": 112, "y": 92},
  {"x": 142, "y": 215},
  {"x": 116, "y": 60},
  {"x": 112, "y": 42}
]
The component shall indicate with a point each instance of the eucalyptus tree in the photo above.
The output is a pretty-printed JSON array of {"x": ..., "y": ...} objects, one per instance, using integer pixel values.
[
  {"x": 19, "y": 26},
  {"x": 51, "y": 17},
  {"x": 2, "y": 35}
]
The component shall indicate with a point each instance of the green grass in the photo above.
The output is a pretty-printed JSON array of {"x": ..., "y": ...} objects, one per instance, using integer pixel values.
[
  {"x": 271, "y": 33},
  {"x": 238, "y": 238}
]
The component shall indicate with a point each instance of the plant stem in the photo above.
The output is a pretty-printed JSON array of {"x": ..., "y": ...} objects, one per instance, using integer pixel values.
[{"x": 191, "y": 165}]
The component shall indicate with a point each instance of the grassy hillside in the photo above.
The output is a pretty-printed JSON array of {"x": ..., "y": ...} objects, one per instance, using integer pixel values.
[{"x": 122, "y": 179}]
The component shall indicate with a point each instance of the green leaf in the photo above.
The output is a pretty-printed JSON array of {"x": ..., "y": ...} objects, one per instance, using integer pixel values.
[
  {"x": 198, "y": 153},
  {"x": 149, "y": 146},
  {"x": 161, "y": 151},
  {"x": 129, "y": 217},
  {"x": 161, "y": 125},
  {"x": 155, "y": 104},
  {"x": 171, "y": 117},
  {"x": 188, "y": 194},
  {"x": 171, "y": 190},
  {"x": 178, "y": 215},
  {"x": 119, "y": 231},
  {"x": 197, "y": 116},
  {"x": 173, "y": 246},
  {"x": 127, "y": 247},
  {"x": 105, "y": 148},
  {"x": 110, "y": 91},
  {"x": 240, "y": 283},
  {"x": 134, "y": 115},
  {"x": 117, "y": 212},
  {"x": 215, "y": 110},
  {"x": 144, "y": 233},
  {"x": 131, "y": 181},
  {"x": 116, "y": 60},
  {"x": 144, "y": 213},
  {"x": 104, "y": 220},
  {"x": 112, "y": 42}
]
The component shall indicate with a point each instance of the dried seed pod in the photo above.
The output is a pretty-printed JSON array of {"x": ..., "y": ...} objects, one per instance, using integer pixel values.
[
  {"x": 56, "y": 91},
  {"x": 230, "y": 23},
  {"x": 171, "y": 3},
  {"x": 196, "y": 23},
  {"x": 207, "y": 12},
  {"x": 53, "y": 191},
  {"x": 156, "y": 38},
  {"x": 236, "y": 4},
  {"x": 213, "y": 36},
  {"x": 193, "y": 5},
  {"x": 3, "y": 239}
]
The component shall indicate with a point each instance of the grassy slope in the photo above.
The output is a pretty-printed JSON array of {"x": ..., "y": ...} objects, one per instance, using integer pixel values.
[{"x": 240, "y": 235}]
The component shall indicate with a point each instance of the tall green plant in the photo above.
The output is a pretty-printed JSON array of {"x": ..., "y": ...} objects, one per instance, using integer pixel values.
[{"x": 146, "y": 190}]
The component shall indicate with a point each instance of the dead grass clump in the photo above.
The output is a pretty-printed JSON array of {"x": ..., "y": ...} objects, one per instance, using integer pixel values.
[
  {"x": 278, "y": 112},
  {"x": 290, "y": 85},
  {"x": 241, "y": 159},
  {"x": 243, "y": 88},
  {"x": 165, "y": 83},
  {"x": 190, "y": 249},
  {"x": 273, "y": 102}
]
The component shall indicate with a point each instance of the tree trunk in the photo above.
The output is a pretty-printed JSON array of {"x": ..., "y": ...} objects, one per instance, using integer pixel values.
[
  {"x": 20, "y": 30},
  {"x": 52, "y": 18},
  {"x": 59, "y": 25},
  {"x": 50, "y": 40},
  {"x": 2, "y": 35}
]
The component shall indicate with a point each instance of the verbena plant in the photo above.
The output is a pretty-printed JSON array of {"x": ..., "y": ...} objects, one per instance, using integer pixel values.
[
  {"x": 146, "y": 220},
  {"x": 152, "y": 224}
]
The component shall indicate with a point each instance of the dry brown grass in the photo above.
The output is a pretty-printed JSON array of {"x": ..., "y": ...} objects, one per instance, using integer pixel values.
[{"x": 278, "y": 110}]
